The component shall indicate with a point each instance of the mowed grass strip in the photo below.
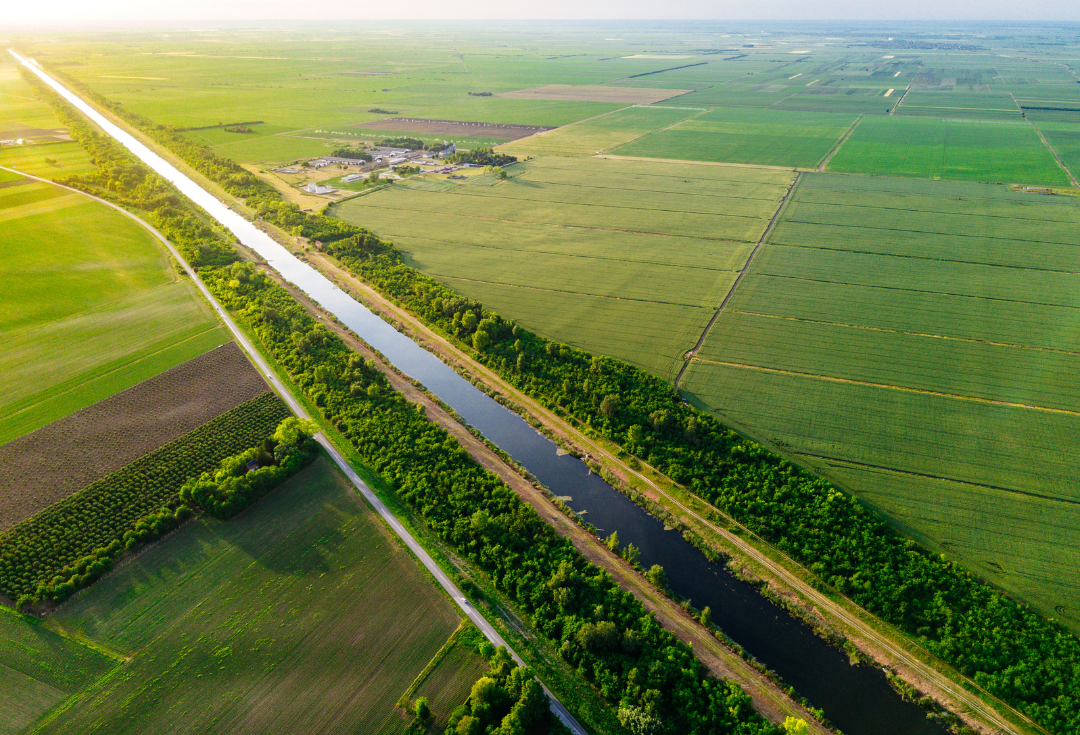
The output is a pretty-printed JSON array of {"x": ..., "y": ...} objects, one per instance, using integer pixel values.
[
  {"x": 742, "y": 135},
  {"x": 1018, "y": 542},
  {"x": 40, "y": 668},
  {"x": 937, "y": 148},
  {"x": 317, "y": 629},
  {"x": 597, "y": 134}
]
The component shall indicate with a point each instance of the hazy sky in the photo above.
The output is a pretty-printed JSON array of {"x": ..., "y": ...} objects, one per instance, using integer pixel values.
[{"x": 106, "y": 11}]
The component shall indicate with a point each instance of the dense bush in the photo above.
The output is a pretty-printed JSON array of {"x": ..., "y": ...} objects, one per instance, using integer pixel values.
[
  {"x": 506, "y": 701},
  {"x": 482, "y": 157},
  {"x": 473, "y": 510},
  {"x": 41, "y": 555},
  {"x": 233, "y": 487},
  {"x": 1027, "y": 660}
]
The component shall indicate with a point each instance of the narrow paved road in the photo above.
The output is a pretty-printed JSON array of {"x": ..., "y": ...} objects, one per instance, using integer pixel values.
[{"x": 390, "y": 519}]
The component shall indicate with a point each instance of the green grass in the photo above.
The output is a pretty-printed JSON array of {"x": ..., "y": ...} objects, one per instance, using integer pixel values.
[
  {"x": 301, "y": 614},
  {"x": 40, "y": 668},
  {"x": 449, "y": 683},
  {"x": 916, "y": 343},
  {"x": 1065, "y": 137},
  {"x": 91, "y": 305},
  {"x": 733, "y": 135},
  {"x": 598, "y": 134},
  {"x": 934, "y": 148},
  {"x": 617, "y": 257}
]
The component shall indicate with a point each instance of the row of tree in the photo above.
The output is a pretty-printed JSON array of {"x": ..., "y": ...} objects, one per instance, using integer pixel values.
[
  {"x": 62, "y": 548},
  {"x": 633, "y": 661},
  {"x": 1028, "y": 660}
]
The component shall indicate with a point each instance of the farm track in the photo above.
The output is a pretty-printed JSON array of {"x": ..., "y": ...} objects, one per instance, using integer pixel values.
[
  {"x": 889, "y": 386},
  {"x": 911, "y": 333},
  {"x": 572, "y": 293},
  {"x": 746, "y": 266},
  {"x": 964, "y": 697},
  {"x": 930, "y": 476},
  {"x": 843, "y": 139},
  {"x": 720, "y": 660},
  {"x": 380, "y": 508},
  {"x": 571, "y": 227}
]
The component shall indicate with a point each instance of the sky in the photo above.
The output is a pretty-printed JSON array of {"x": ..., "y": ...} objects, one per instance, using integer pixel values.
[{"x": 67, "y": 12}]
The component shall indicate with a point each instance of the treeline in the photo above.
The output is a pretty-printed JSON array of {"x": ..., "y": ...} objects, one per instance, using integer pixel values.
[
  {"x": 70, "y": 543},
  {"x": 243, "y": 478},
  {"x": 357, "y": 154},
  {"x": 602, "y": 631},
  {"x": 482, "y": 157},
  {"x": 506, "y": 701},
  {"x": 1029, "y": 661}
]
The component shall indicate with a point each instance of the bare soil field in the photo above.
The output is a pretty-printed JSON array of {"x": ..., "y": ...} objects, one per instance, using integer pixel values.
[
  {"x": 65, "y": 456},
  {"x": 595, "y": 93},
  {"x": 455, "y": 128}
]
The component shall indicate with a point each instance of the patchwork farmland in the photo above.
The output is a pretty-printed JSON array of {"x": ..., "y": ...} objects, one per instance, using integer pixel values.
[
  {"x": 620, "y": 257},
  {"x": 920, "y": 364}
]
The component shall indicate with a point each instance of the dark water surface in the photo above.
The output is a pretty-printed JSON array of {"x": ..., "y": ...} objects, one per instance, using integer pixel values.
[{"x": 857, "y": 699}]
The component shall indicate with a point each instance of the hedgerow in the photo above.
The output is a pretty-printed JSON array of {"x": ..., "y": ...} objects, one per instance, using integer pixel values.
[
  {"x": 602, "y": 631},
  {"x": 49, "y": 555}
]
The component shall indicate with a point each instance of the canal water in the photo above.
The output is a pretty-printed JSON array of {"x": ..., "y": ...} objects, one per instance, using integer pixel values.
[{"x": 857, "y": 699}]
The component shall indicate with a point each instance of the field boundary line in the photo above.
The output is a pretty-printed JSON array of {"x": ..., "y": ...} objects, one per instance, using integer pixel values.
[
  {"x": 688, "y": 162},
  {"x": 889, "y": 386},
  {"x": 559, "y": 224},
  {"x": 1053, "y": 150},
  {"x": 912, "y": 333},
  {"x": 590, "y": 257},
  {"x": 919, "y": 290},
  {"x": 388, "y": 517},
  {"x": 572, "y": 293},
  {"x": 647, "y": 191},
  {"x": 746, "y": 266},
  {"x": 403, "y": 700},
  {"x": 658, "y": 130},
  {"x": 843, "y": 139},
  {"x": 906, "y": 256},
  {"x": 930, "y": 476}
]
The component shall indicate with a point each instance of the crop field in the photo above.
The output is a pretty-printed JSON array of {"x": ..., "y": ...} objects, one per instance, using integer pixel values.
[
  {"x": 302, "y": 614},
  {"x": 454, "y": 129},
  {"x": 91, "y": 305},
  {"x": 598, "y": 134},
  {"x": 636, "y": 280},
  {"x": 448, "y": 684},
  {"x": 914, "y": 342},
  {"x": 1065, "y": 138},
  {"x": 39, "y": 548},
  {"x": 935, "y": 148},
  {"x": 985, "y": 104},
  {"x": 595, "y": 93},
  {"x": 762, "y": 137},
  {"x": 39, "y": 668},
  {"x": 49, "y": 464}
]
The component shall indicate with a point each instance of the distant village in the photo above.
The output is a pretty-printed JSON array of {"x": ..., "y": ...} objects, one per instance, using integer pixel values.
[{"x": 382, "y": 157}]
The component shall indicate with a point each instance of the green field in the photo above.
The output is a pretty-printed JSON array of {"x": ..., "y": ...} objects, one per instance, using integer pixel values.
[
  {"x": 935, "y": 148},
  {"x": 91, "y": 305},
  {"x": 623, "y": 258},
  {"x": 911, "y": 360},
  {"x": 303, "y": 614},
  {"x": 733, "y": 135},
  {"x": 599, "y": 133},
  {"x": 1065, "y": 137}
]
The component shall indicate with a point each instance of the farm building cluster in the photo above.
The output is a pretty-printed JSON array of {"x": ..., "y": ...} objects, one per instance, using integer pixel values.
[{"x": 382, "y": 157}]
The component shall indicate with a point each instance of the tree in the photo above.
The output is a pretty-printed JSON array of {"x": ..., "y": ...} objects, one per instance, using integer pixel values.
[
  {"x": 610, "y": 406},
  {"x": 795, "y": 726},
  {"x": 657, "y": 577},
  {"x": 481, "y": 340},
  {"x": 636, "y": 434},
  {"x": 631, "y": 553},
  {"x": 706, "y": 616},
  {"x": 612, "y": 541},
  {"x": 422, "y": 710},
  {"x": 373, "y": 177}
]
